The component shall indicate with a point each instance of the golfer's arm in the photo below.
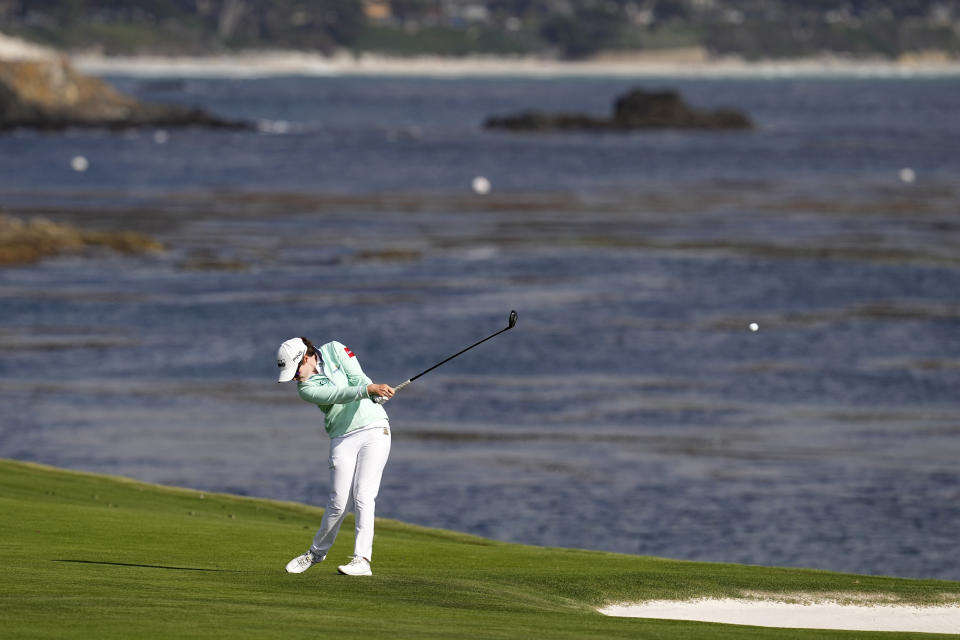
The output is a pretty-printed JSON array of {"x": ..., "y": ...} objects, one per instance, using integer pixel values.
[
  {"x": 351, "y": 366},
  {"x": 328, "y": 393},
  {"x": 359, "y": 380}
]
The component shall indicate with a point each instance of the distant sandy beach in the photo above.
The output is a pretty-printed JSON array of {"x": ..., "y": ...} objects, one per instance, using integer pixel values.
[{"x": 692, "y": 63}]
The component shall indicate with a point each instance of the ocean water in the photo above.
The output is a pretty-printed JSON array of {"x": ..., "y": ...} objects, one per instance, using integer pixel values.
[{"x": 630, "y": 410}]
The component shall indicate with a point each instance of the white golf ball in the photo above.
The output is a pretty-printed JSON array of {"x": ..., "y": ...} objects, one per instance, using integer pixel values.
[
  {"x": 79, "y": 163},
  {"x": 481, "y": 185},
  {"x": 754, "y": 326},
  {"x": 908, "y": 175}
]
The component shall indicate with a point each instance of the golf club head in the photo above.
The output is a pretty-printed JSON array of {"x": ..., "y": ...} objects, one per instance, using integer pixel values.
[{"x": 513, "y": 319}]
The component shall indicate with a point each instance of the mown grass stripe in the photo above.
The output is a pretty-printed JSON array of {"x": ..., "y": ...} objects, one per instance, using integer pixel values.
[{"x": 85, "y": 556}]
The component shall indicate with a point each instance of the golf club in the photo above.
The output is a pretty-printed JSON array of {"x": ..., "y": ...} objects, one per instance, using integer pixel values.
[{"x": 510, "y": 324}]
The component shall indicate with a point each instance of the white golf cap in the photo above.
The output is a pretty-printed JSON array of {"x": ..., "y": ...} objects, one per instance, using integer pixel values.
[{"x": 289, "y": 356}]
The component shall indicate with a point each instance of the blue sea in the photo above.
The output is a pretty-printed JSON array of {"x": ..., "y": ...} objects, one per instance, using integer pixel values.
[{"x": 630, "y": 410}]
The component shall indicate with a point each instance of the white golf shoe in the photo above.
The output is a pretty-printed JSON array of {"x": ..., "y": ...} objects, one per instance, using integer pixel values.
[
  {"x": 359, "y": 566},
  {"x": 303, "y": 562}
]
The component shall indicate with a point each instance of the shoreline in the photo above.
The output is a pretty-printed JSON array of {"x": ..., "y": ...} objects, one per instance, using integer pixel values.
[{"x": 297, "y": 63}]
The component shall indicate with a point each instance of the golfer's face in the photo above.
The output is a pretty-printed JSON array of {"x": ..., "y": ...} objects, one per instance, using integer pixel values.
[{"x": 307, "y": 366}]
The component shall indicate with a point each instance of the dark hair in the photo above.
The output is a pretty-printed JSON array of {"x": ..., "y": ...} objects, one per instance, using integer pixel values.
[{"x": 311, "y": 350}]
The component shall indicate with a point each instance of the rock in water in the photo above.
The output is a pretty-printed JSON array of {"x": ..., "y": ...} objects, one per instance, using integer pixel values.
[
  {"x": 637, "y": 109},
  {"x": 48, "y": 94},
  {"x": 540, "y": 121}
]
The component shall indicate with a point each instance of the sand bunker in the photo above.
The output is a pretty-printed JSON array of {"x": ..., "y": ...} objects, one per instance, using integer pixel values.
[{"x": 811, "y": 615}]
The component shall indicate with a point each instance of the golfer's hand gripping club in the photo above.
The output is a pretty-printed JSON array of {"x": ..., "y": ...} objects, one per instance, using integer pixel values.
[
  {"x": 383, "y": 399},
  {"x": 510, "y": 324}
]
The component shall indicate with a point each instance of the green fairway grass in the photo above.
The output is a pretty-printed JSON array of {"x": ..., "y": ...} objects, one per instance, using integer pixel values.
[{"x": 101, "y": 557}]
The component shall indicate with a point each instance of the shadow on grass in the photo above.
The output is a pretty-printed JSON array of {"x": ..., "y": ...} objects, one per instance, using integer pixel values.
[{"x": 147, "y": 566}]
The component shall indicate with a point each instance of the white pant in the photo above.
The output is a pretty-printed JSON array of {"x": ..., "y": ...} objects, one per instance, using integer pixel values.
[{"x": 357, "y": 460}]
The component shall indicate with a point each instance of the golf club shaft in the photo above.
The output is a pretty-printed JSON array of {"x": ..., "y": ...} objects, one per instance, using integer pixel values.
[
  {"x": 510, "y": 325},
  {"x": 457, "y": 354}
]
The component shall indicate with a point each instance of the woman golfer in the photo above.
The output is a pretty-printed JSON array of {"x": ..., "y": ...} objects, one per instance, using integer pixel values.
[{"x": 331, "y": 378}]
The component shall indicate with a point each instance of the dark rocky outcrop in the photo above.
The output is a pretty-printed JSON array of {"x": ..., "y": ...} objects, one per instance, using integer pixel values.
[
  {"x": 540, "y": 121},
  {"x": 637, "y": 109},
  {"x": 48, "y": 94}
]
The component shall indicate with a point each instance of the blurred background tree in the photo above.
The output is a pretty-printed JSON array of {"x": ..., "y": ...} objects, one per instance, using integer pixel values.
[
  {"x": 568, "y": 28},
  {"x": 185, "y": 26}
]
